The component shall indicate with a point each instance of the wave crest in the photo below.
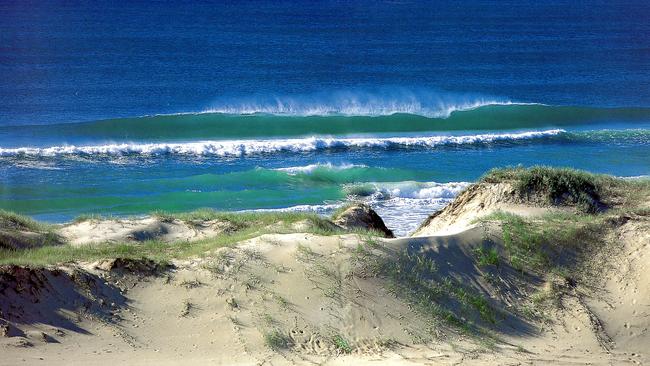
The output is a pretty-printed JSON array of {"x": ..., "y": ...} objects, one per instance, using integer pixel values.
[
  {"x": 256, "y": 147},
  {"x": 357, "y": 102},
  {"x": 308, "y": 169}
]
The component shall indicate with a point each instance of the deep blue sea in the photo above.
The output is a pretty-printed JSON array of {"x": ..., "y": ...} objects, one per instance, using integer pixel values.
[{"x": 124, "y": 108}]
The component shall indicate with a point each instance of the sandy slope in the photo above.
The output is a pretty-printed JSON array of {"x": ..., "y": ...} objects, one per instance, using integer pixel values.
[
  {"x": 318, "y": 290},
  {"x": 137, "y": 230},
  {"x": 478, "y": 200}
]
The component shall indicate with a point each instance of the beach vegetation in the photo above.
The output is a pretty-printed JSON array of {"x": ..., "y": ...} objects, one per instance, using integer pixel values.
[
  {"x": 11, "y": 220},
  {"x": 341, "y": 209},
  {"x": 545, "y": 243},
  {"x": 19, "y": 232},
  {"x": 276, "y": 340},
  {"x": 246, "y": 225},
  {"x": 556, "y": 185},
  {"x": 487, "y": 256},
  {"x": 341, "y": 344},
  {"x": 416, "y": 278},
  {"x": 186, "y": 308}
]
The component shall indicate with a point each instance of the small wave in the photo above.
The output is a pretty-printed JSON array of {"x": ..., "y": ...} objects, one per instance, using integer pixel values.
[
  {"x": 402, "y": 205},
  {"x": 255, "y": 147},
  {"x": 324, "y": 209},
  {"x": 307, "y": 169},
  {"x": 36, "y": 165},
  {"x": 405, "y": 205},
  {"x": 636, "y": 177},
  {"x": 414, "y": 190}
]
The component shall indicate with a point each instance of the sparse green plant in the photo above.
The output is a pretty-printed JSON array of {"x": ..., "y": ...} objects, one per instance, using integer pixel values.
[
  {"x": 276, "y": 340},
  {"x": 385, "y": 343},
  {"x": 478, "y": 302},
  {"x": 305, "y": 253},
  {"x": 91, "y": 217},
  {"x": 371, "y": 241},
  {"x": 12, "y": 232},
  {"x": 252, "y": 282},
  {"x": 279, "y": 268},
  {"x": 186, "y": 308},
  {"x": 245, "y": 225},
  {"x": 341, "y": 344},
  {"x": 521, "y": 349},
  {"x": 284, "y": 303},
  {"x": 252, "y": 254},
  {"x": 528, "y": 311},
  {"x": 11, "y": 220},
  {"x": 268, "y": 319},
  {"x": 190, "y": 284},
  {"x": 163, "y": 216},
  {"x": 217, "y": 269},
  {"x": 487, "y": 256}
]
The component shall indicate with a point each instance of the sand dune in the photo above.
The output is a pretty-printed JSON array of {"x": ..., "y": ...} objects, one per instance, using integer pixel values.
[
  {"x": 305, "y": 298},
  {"x": 94, "y": 231}
]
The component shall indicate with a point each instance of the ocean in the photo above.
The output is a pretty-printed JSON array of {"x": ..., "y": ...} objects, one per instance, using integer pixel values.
[{"x": 127, "y": 108}]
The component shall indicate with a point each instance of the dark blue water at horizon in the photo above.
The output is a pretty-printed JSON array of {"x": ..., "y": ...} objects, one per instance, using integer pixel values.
[{"x": 78, "y": 61}]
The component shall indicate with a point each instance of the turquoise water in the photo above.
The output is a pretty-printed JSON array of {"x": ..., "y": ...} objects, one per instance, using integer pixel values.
[
  {"x": 122, "y": 110},
  {"x": 406, "y": 166}
]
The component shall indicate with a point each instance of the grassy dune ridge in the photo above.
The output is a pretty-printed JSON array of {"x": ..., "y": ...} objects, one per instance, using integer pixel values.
[
  {"x": 589, "y": 192},
  {"x": 246, "y": 225}
]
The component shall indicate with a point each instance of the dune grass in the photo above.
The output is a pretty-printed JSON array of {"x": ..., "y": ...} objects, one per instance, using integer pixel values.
[
  {"x": 247, "y": 225},
  {"x": 415, "y": 278},
  {"x": 19, "y": 231},
  {"x": 13, "y": 221},
  {"x": 341, "y": 344},
  {"x": 276, "y": 340},
  {"x": 545, "y": 243},
  {"x": 154, "y": 250},
  {"x": 557, "y": 185},
  {"x": 342, "y": 209}
]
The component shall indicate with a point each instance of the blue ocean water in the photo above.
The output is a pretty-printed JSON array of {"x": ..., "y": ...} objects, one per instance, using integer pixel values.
[{"x": 124, "y": 108}]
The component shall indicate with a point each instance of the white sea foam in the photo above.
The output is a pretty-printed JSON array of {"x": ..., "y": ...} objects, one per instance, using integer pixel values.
[
  {"x": 636, "y": 177},
  {"x": 417, "y": 190},
  {"x": 402, "y": 205},
  {"x": 253, "y": 147},
  {"x": 405, "y": 205},
  {"x": 355, "y": 109},
  {"x": 306, "y": 169},
  {"x": 358, "y": 102}
]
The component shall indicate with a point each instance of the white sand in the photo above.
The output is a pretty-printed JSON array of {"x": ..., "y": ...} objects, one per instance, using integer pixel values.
[{"x": 134, "y": 230}]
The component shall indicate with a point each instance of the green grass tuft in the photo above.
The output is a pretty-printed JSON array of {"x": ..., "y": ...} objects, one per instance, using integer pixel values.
[
  {"x": 276, "y": 340},
  {"x": 341, "y": 344},
  {"x": 540, "y": 243},
  {"x": 13, "y": 221},
  {"x": 342, "y": 209},
  {"x": 487, "y": 256},
  {"x": 557, "y": 185}
]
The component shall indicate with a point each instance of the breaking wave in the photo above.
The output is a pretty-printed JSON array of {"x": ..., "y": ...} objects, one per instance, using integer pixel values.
[{"x": 255, "y": 147}]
